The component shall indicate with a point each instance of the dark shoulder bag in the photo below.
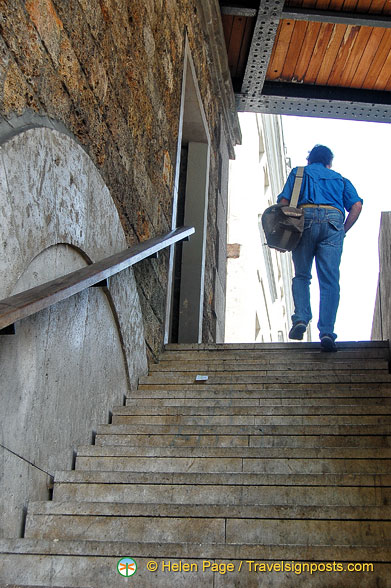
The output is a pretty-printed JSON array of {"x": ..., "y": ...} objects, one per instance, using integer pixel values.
[{"x": 284, "y": 225}]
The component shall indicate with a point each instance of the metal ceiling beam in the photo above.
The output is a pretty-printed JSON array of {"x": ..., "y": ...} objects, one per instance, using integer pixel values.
[
  {"x": 319, "y": 101},
  {"x": 268, "y": 19},
  {"x": 313, "y": 91},
  {"x": 257, "y": 95},
  {"x": 329, "y": 16},
  {"x": 239, "y": 11},
  {"x": 326, "y": 16}
]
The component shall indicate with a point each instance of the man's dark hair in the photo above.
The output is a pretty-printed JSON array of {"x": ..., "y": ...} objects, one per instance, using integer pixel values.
[{"x": 320, "y": 154}]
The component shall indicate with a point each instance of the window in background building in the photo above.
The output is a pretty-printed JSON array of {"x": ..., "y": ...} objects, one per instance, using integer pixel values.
[
  {"x": 279, "y": 273},
  {"x": 266, "y": 178},
  {"x": 265, "y": 302},
  {"x": 268, "y": 262},
  {"x": 261, "y": 146},
  {"x": 257, "y": 326}
]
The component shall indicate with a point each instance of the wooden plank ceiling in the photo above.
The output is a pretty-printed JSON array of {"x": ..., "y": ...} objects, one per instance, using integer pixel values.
[{"x": 311, "y": 57}]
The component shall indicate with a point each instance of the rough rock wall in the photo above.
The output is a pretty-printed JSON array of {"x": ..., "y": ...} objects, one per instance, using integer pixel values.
[{"x": 110, "y": 73}]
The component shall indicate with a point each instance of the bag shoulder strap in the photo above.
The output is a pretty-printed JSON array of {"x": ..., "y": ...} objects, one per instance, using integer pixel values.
[{"x": 296, "y": 187}]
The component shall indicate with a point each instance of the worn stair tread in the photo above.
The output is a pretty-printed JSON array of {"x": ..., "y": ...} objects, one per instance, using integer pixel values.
[
  {"x": 71, "y": 571},
  {"x": 233, "y": 464},
  {"x": 18, "y": 585},
  {"x": 224, "y": 551},
  {"x": 280, "y": 410},
  {"x": 169, "y": 359},
  {"x": 242, "y": 452},
  {"x": 302, "y": 350},
  {"x": 299, "y": 347},
  {"x": 101, "y": 509},
  {"x": 211, "y": 530},
  {"x": 75, "y": 571},
  {"x": 146, "y": 403},
  {"x": 254, "y": 365},
  {"x": 275, "y": 357},
  {"x": 244, "y": 430},
  {"x": 292, "y": 355},
  {"x": 267, "y": 377},
  {"x": 235, "y": 440},
  {"x": 96, "y": 560},
  {"x": 311, "y": 420},
  {"x": 224, "y": 494},
  {"x": 271, "y": 390},
  {"x": 242, "y": 478}
]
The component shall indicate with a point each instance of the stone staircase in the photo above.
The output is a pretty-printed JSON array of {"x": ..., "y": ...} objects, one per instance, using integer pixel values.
[{"x": 283, "y": 454}]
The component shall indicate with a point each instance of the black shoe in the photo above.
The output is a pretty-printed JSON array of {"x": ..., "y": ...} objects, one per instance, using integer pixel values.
[
  {"x": 297, "y": 331},
  {"x": 327, "y": 343}
]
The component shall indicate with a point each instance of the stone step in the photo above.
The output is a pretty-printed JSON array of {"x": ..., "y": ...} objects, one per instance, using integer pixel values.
[
  {"x": 267, "y": 376},
  {"x": 271, "y": 390},
  {"x": 247, "y": 430},
  {"x": 241, "y": 479},
  {"x": 233, "y": 403},
  {"x": 360, "y": 420},
  {"x": 335, "y": 453},
  {"x": 243, "y": 511},
  {"x": 235, "y": 440},
  {"x": 278, "y": 347},
  {"x": 218, "y": 529},
  {"x": 255, "y": 365},
  {"x": 299, "y": 348},
  {"x": 225, "y": 489},
  {"x": 233, "y": 464},
  {"x": 295, "y": 351},
  {"x": 280, "y": 357},
  {"x": 94, "y": 563},
  {"x": 142, "y": 409}
]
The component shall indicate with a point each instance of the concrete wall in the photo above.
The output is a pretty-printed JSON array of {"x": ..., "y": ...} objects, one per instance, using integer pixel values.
[
  {"x": 67, "y": 366},
  {"x": 381, "y": 327},
  {"x": 109, "y": 72}
]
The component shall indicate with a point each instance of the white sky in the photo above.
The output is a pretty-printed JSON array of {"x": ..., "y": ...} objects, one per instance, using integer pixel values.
[{"x": 361, "y": 154}]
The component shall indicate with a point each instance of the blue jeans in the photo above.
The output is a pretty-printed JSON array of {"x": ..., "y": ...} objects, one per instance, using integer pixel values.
[{"x": 322, "y": 239}]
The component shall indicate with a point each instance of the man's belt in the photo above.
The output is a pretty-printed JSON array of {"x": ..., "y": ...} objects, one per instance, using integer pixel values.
[{"x": 319, "y": 206}]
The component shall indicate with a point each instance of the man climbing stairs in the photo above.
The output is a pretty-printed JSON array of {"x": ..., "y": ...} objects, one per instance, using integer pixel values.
[{"x": 231, "y": 465}]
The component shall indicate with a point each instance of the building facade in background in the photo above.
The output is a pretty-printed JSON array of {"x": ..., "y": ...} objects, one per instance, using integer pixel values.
[{"x": 259, "y": 299}]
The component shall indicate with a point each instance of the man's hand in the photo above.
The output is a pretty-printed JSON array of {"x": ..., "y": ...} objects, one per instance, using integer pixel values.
[
  {"x": 284, "y": 202},
  {"x": 353, "y": 215}
]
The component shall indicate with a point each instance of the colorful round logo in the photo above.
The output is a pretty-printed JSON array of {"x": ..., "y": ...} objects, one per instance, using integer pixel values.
[{"x": 126, "y": 567}]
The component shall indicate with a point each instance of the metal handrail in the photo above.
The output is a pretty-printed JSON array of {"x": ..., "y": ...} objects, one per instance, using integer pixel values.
[{"x": 29, "y": 302}]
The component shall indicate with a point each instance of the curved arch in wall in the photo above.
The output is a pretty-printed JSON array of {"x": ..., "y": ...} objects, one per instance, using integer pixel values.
[
  {"x": 67, "y": 366},
  {"x": 51, "y": 192}
]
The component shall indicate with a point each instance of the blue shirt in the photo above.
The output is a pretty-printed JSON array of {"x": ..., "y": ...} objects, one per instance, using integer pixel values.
[{"x": 322, "y": 185}]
